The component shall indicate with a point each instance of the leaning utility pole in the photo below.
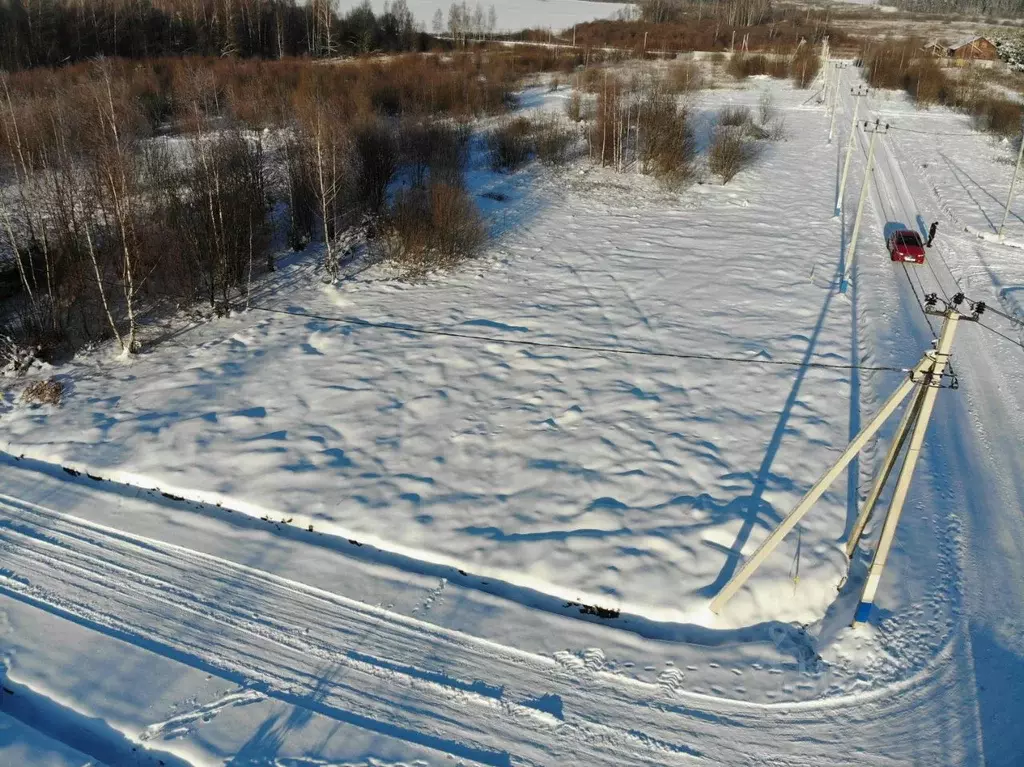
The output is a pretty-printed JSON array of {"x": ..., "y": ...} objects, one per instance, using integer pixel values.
[
  {"x": 874, "y": 130},
  {"x": 858, "y": 93},
  {"x": 925, "y": 379},
  {"x": 1013, "y": 183}
]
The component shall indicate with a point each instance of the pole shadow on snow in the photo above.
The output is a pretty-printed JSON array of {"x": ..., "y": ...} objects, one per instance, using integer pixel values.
[
  {"x": 755, "y": 505},
  {"x": 957, "y": 172}
]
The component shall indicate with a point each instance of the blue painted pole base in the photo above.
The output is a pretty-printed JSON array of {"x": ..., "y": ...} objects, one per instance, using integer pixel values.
[
  {"x": 863, "y": 612},
  {"x": 844, "y": 285}
]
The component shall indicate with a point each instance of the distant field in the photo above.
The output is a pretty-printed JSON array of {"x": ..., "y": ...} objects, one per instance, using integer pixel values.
[{"x": 513, "y": 14}]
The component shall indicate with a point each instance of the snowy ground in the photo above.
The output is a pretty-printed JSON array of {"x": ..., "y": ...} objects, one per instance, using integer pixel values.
[
  {"x": 513, "y": 15},
  {"x": 466, "y": 486}
]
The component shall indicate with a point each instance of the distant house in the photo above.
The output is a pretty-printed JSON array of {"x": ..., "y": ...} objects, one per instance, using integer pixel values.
[
  {"x": 973, "y": 49},
  {"x": 935, "y": 48}
]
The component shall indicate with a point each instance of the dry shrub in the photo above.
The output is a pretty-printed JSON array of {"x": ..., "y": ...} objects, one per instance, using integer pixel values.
[
  {"x": 737, "y": 66},
  {"x": 737, "y": 117},
  {"x": 926, "y": 82},
  {"x": 777, "y": 129},
  {"x": 886, "y": 63},
  {"x": 996, "y": 114},
  {"x": 377, "y": 154},
  {"x": 554, "y": 141},
  {"x": 511, "y": 144},
  {"x": 778, "y": 66},
  {"x": 666, "y": 142},
  {"x": 805, "y": 65},
  {"x": 607, "y": 132},
  {"x": 431, "y": 227},
  {"x": 684, "y": 77},
  {"x": 437, "y": 148},
  {"x": 574, "y": 107},
  {"x": 48, "y": 392},
  {"x": 729, "y": 153}
]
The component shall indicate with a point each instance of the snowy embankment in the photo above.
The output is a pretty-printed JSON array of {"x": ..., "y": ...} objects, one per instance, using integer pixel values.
[{"x": 630, "y": 481}]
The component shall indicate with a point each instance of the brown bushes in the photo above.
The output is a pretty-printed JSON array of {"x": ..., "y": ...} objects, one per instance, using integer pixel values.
[
  {"x": 511, "y": 144},
  {"x": 926, "y": 82},
  {"x": 376, "y": 154},
  {"x": 666, "y": 143},
  {"x": 554, "y": 142},
  {"x": 430, "y": 227},
  {"x": 684, "y": 77},
  {"x": 997, "y": 115},
  {"x": 742, "y": 66},
  {"x": 805, "y": 66},
  {"x": 728, "y": 153},
  {"x": 437, "y": 148}
]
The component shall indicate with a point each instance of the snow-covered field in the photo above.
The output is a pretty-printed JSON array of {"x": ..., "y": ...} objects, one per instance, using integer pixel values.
[
  {"x": 512, "y": 15},
  {"x": 382, "y": 505}
]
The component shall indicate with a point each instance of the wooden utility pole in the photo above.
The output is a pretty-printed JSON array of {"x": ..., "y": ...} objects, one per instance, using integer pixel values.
[
  {"x": 929, "y": 390},
  {"x": 925, "y": 381},
  {"x": 874, "y": 130},
  {"x": 858, "y": 93}
]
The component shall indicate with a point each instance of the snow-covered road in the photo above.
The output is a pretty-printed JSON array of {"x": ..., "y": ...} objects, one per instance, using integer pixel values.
[
  {"x": 411, "y": 680},
  {"x": 972, "y": 488}
]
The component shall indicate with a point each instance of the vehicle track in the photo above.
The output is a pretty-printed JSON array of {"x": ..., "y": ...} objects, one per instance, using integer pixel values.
[{"x": 408, "y": 679}]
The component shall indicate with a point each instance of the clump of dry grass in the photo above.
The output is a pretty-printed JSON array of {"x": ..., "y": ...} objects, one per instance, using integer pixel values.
[{"x": 48, "y": 392}]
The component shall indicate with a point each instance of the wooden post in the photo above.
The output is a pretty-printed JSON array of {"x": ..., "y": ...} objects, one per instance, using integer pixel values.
[{"x": 831, "y": 474}]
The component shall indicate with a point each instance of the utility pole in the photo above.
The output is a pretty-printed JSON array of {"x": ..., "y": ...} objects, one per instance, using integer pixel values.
[
  {"x": 834, "y": 102},
  {"x": 925, "y": 379},
  {"x": 835, "y": 98},
  {"x": 874, "y": 130},
  {"x": 930, "y": 388},
  {"x": 858, "y": 93},
  {"x": 1013, "y": 183}
]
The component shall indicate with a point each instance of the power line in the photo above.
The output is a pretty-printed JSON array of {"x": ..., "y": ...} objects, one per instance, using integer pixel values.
[
  {"x": 1001, "y": 335},
  {"x": 975, "y": 134},
  {"x": 990, "y": 308},
  {"x": 579, "y": 347}
]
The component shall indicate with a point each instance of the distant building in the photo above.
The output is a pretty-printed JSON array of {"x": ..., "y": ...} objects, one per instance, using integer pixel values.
[{"x": 973, "y": 49}]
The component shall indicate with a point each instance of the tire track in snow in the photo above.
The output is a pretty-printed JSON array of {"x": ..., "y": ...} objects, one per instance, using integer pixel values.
[
  {"x": 279, "y": 636},
  {"x": 475, "y": 699}
]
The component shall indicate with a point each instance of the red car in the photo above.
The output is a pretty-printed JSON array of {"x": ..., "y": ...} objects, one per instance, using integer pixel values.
[{"x": 905, "y": 245}]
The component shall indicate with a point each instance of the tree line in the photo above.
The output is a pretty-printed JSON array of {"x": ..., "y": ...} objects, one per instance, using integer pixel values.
[
  {"x": 55, "y": 32},
  {"x": 105, "y": 218}
]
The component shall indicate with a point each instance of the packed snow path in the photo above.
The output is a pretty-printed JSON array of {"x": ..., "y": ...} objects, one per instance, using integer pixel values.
[{"x": 479, "y": 701}]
